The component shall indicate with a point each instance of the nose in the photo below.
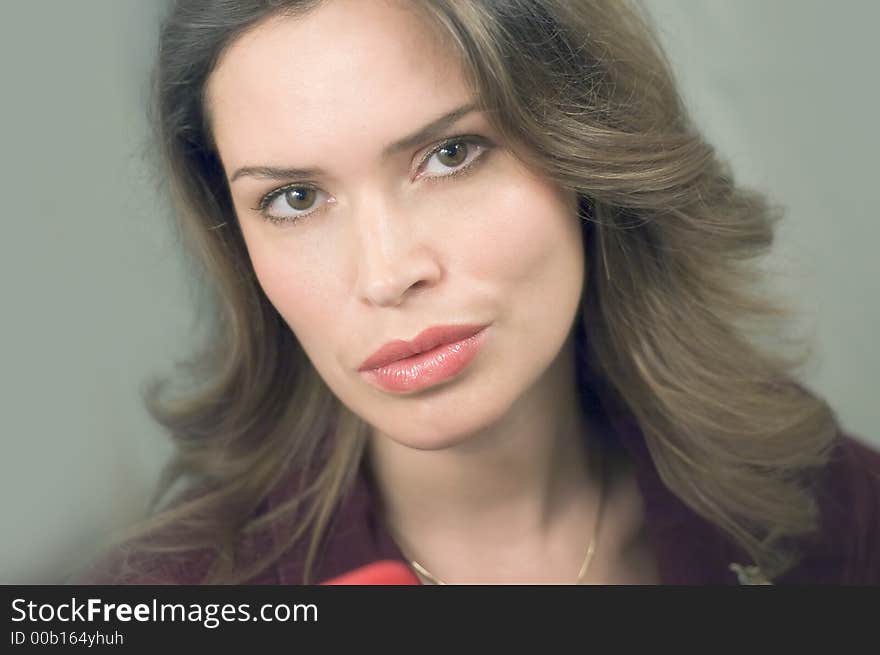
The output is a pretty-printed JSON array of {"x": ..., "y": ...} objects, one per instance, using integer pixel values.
[{"x": 394, "y": 260}]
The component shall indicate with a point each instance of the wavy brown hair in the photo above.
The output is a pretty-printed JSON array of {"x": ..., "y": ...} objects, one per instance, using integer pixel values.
[{"x": 671, "y": 304}]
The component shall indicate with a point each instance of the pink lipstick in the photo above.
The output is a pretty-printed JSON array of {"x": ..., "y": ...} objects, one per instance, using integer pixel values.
[{"x": 433, "y": 356}]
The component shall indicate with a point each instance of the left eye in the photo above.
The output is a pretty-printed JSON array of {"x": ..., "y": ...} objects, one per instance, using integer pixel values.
[{"x": 453, "y": 156}]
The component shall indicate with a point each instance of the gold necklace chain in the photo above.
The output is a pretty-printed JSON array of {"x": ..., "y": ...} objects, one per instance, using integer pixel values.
[{"x": 587, "y": 558}]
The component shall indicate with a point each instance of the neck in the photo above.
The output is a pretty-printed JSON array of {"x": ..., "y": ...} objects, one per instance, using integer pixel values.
[{"x": 516, "y": 481}]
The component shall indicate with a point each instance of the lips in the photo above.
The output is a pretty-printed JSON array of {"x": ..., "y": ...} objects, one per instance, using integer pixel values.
[{"x": 428, "y": 339}]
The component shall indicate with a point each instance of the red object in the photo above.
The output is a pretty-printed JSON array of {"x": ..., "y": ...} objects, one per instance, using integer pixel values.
[
  {"x": 384, "y": 572},
  {"x": 426, "y": 367}
]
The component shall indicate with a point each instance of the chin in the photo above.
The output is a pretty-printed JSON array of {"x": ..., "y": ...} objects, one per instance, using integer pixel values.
[
  {"x": 439, "y": 430},
  {"x": 428, "y": 443}
]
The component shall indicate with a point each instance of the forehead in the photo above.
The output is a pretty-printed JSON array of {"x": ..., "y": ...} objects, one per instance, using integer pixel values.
[{"x": 345, "y": 69}]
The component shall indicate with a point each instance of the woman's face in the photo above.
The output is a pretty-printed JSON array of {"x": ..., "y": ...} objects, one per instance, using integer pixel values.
[{"x": 392, "y": 240}]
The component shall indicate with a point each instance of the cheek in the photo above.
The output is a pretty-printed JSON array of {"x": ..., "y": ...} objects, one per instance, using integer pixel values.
[
  {"x": 293, "y": 285},
  {"x": 535, "y": 238}
]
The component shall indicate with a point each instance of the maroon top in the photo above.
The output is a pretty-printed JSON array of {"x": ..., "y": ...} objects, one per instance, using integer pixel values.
[{"x": 687, "y": 548}]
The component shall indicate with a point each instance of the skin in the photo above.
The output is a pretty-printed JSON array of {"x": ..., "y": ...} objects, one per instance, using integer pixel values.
[{"x": 484, "y": 475}]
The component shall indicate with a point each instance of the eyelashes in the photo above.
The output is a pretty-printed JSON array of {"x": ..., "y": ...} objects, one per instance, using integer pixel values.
[{"x": 282, "y": 195}]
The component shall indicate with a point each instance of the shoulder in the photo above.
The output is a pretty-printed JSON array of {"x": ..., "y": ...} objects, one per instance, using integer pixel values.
[
  {"x": 858, "y": 470},
  {"x": 862, "y": 455},
  {"x": 159, "y": 558},
  {"x": 166, "y": 556},
  {"x": 846, "y": 549},
  {"x": 141, "y": 562},
  {"x": 133, "y": 563},
  {"x": 853, "y": 477}
]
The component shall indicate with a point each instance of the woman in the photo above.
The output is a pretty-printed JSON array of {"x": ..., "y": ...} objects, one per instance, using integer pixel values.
[{"x": 512, "y": 199}]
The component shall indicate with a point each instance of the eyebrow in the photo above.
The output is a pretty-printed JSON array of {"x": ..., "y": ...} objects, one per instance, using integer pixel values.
[{"x": 425, "y": 133}]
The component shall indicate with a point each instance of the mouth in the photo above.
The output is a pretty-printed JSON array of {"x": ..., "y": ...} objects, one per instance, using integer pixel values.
[
  {"x": 426, "y": 340},
  {"x": 429, "y": 367}
]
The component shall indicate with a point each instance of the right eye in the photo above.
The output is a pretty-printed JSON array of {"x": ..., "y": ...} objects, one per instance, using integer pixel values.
[{"x": 289, "y": 204}]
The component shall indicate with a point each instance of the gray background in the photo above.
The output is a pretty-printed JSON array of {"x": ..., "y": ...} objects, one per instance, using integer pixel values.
[{"x": 96, "y": 298}]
